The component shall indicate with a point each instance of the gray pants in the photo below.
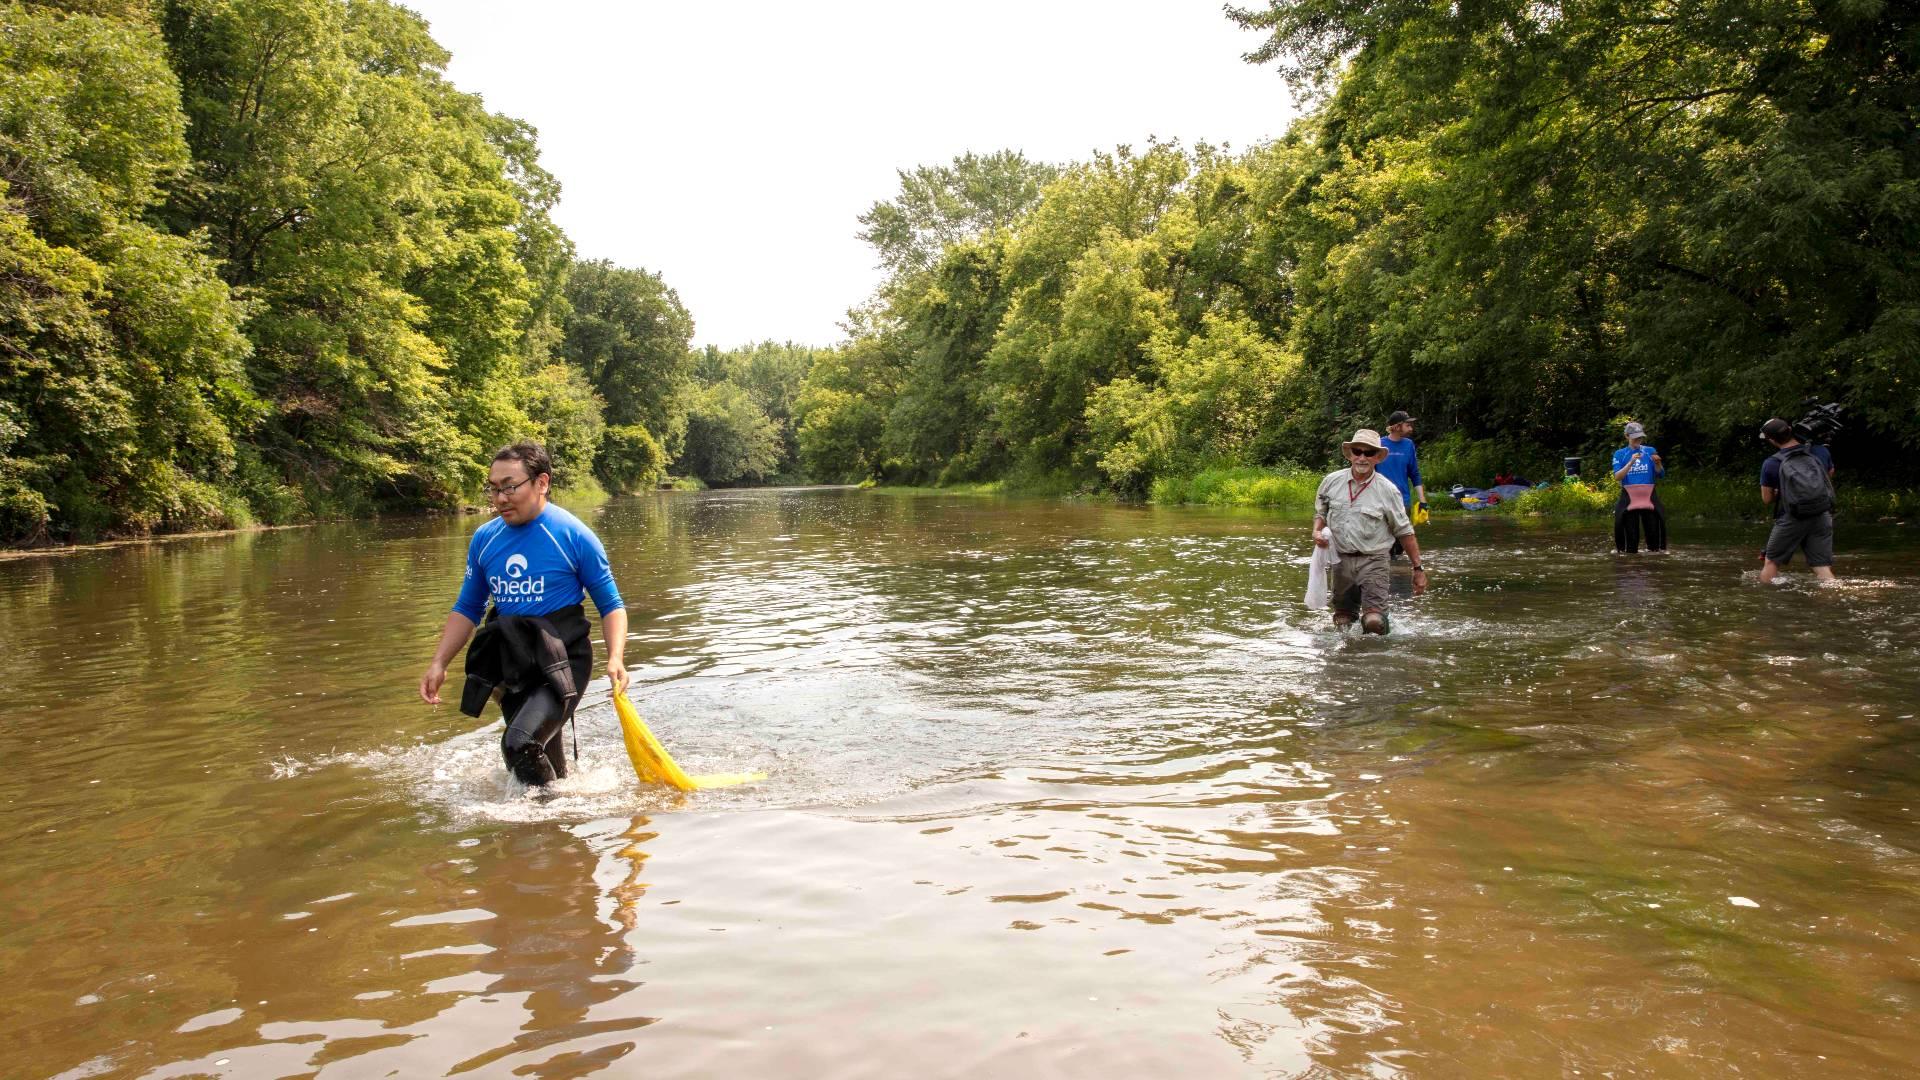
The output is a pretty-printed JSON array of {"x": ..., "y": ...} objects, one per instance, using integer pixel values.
[
  {"x": 1813, "y": 535},
  {"x": 1360, "y": 584}
]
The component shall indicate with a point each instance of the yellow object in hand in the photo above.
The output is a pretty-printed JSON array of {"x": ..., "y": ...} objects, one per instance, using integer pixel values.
[
  {"x": 654, "y": 765},
  {"x": 1421, "y": 515}
]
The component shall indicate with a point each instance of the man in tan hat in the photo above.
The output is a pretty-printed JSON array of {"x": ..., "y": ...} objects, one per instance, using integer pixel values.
[{"x": 1360, "y": 515}]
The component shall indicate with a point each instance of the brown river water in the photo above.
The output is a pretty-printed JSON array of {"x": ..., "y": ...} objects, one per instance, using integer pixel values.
[{"x": 1054, "y": 789}]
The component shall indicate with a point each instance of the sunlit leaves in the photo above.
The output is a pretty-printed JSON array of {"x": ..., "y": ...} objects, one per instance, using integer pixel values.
[{"x": 628, "y": 333}]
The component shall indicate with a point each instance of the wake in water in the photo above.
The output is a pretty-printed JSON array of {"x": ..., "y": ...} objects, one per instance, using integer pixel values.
[
  {"x": 465, "y": 776},
  {"x": 807, "y": 756}
]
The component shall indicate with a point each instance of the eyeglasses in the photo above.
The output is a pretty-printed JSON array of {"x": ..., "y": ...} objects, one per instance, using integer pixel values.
[
  {"x": 492, "y": 492},
  {"x": 1361, "y": 451}
]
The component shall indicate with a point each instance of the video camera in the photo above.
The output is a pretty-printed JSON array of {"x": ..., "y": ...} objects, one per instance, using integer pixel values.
[{"x": 1820, "y": 425}]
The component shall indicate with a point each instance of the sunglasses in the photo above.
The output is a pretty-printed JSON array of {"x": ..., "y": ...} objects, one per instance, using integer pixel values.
[{"x": 1362, "y": 451}]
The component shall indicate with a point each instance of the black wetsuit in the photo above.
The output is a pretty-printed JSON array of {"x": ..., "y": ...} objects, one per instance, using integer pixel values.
[
  {"x": 1627, "y": 525},
  {"x": 1634, "y": 466},
  {"x": 541, "y": 663}
]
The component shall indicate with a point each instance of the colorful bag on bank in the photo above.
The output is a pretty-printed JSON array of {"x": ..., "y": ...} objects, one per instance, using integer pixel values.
[{"x": 654, "y": 765}]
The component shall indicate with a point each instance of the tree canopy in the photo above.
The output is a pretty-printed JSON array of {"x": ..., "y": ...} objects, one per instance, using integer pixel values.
[
  {"x": 1520, "y": 221},
  {"x": 264, "y": 262}
]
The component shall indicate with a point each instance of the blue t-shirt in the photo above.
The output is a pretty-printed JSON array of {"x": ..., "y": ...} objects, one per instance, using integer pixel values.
[
  {"x": 549, "y": 563},
  {"x": 1402, "y": 466},
  {"x": 1770, "y": 470},
  {"x": 1643, "y": 471}
]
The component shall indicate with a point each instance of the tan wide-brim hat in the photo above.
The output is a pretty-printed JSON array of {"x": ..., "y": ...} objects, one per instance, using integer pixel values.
[{"x": 1364, "y": 437}]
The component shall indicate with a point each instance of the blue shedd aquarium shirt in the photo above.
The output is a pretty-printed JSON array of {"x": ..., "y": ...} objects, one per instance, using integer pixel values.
[
  {"x": 538, "y": 568},
  {"x": 1642, "y": 471},
  {"x": 1402, "y": 466}
]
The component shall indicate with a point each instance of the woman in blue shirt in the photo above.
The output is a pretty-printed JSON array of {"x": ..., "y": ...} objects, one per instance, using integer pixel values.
[{"x": 1638, "y": 467}]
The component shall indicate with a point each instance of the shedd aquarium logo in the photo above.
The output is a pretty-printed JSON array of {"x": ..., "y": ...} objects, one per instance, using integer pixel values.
[{"x": 517, "y": 583}]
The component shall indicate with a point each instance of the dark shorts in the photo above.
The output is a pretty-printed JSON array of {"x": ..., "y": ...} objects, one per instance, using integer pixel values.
[
  {"x": 1361, "y": 580},
  {"x": 1812, "y": 535}
]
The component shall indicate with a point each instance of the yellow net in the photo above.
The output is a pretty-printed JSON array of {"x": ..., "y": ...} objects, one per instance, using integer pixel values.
[{"x": 654, "y": 765}]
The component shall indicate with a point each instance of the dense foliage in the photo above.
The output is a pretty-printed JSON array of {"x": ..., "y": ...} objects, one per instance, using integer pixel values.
[
  {"x": 263, "y": 261},
  {"x": 123, "y": 378},
  {"x": 740, "y": 421},
  {"x": 1524, "y": 222}
]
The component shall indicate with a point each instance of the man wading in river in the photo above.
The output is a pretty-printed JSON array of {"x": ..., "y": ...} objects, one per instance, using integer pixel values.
[
  {"x": 536, "y": 562},
  {"x": 1796, "y": 481},
  {"x": 1364, "y": 515},
  {"x": 1401, "y": 464}
]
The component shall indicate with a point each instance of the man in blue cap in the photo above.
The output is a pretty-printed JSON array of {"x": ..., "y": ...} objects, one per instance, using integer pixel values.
[
  {"x": 1402, "y": 467},
  {"x": 1796, "y": 483}
]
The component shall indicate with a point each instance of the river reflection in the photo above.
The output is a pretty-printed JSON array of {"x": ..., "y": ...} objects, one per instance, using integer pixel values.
[{"x": 1054, "y": 789}]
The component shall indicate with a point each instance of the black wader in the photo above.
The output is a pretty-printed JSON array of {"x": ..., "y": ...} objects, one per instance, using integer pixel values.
[{"x": 1628, "y": 524}]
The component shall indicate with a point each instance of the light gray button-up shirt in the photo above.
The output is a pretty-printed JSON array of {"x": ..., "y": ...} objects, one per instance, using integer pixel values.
[{"x": 1367, "y": 523}]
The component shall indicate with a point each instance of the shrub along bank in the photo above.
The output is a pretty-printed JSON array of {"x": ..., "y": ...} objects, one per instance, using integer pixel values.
[{"x": 1290, "y": 488}]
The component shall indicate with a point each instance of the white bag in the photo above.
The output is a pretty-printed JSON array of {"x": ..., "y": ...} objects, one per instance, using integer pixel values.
[{"x": 1324, "y": 560}]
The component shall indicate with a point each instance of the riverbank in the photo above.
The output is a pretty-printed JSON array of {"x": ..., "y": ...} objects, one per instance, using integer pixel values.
[
  {"x": 992, "y": 487},
  {"x": 9, "y": 554},
  {"x": 579, "y": 497},
  {"x": 1286, "y": 489},
  {"x": 1712, "y": 497}
]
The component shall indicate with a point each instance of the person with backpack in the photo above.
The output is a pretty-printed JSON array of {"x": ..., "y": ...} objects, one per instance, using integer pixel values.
[{"x": 1796, "y": 480}]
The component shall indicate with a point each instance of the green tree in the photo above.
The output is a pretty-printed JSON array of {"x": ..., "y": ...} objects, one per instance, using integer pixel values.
[
  {"x": 1218, "y": 392},
  {"x": 843, "y": 401},
  {"x": 121, "y": 385},
  {"x": 839, "y": 434},
  {"x": 939, "y": 427},
  {"x": 729, "y": 439},
  {"x": 364, "y": 205},
  {"x": 627, "y": 332},
  {"x": 1086, "y": 274},
  {"x": 1534, "y": 216},
  {"x": 772, "y": 374},
  {"x": 942, "y": 205},
  {"x": 571, "y": 425},
  {"x": 631, "y": 459}
]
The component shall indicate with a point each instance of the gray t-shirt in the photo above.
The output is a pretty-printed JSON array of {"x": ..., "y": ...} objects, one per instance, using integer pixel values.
[{"x": 1363, "y": 521}]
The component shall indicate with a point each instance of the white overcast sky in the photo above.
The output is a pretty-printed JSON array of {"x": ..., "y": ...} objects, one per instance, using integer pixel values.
[{"x": 730, "y": 147}]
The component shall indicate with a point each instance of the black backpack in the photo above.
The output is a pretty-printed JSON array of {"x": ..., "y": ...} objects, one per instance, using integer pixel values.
[{"x": 1805, "y": 490}]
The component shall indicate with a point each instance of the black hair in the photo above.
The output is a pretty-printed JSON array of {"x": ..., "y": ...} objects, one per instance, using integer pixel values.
[{"x": 528, "y": 453}]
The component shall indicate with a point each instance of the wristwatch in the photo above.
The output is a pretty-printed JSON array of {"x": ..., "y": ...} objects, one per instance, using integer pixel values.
[{"x": 1419, "y": 569}]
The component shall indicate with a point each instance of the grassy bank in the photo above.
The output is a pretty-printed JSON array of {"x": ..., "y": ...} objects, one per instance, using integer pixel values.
[
  {"x": 1292, "y": 488},
  {"x": 1047, "y": 484},
  {"x": 993, "y": 487},
  {"x": 1279, "y": 488},
  {"x": 1712, "y": 497}
]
